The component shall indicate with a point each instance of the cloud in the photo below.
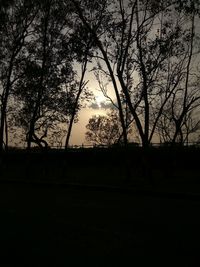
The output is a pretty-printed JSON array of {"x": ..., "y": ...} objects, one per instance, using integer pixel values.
[
  {"x": 105, "y": 105},
  {"x": 94, "y": 106},
  {"x": 101, "y": 105}
]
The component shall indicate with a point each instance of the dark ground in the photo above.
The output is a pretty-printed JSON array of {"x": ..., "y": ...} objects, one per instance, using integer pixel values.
[
  {"x": 48, "y": 225},
  {"x": 45, "y": 222},
  {"x": 175, "y": 169}
]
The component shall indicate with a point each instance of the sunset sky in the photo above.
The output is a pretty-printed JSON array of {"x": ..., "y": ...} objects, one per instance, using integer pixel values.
[{"x": 98, "y": 106}]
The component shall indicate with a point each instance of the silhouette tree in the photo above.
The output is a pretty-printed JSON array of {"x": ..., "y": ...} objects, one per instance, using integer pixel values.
[
  {"x": 47, "y": 90},
  {"x": 179, "y": 113},
  {"x": 16, "y": 21},
  {"x": 105, "y": 130}
]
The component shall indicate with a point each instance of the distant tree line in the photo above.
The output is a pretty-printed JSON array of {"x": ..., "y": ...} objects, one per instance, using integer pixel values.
[{"x": 146, "y": 50}]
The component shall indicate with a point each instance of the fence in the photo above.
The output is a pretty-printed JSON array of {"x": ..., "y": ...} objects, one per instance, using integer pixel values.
[{"x": 85, "y": 146}]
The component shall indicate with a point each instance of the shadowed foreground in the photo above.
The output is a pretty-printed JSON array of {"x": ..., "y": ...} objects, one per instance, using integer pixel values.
[
  {"x": 43, "y": 224},
  {"x": 169, "y": 169}
]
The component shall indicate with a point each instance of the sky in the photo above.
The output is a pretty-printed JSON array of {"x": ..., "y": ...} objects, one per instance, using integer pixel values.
[{"x": 98, "y": 106}]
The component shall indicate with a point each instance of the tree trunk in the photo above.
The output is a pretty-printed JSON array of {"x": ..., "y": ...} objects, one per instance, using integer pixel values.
[
  {"x": 81, "y": 87},
  {"x": 6, "y": 132},
  {"x": 3, "y": 114},
  {"x": 40, "y": 90},
  {"x": 2, "y": 128}
]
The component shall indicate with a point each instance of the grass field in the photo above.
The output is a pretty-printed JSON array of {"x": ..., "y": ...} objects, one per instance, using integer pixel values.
[
  {"x": 176, "y": 170},
  {"x": 48, "y": 220},
  {"x": 46, "y": 225}
]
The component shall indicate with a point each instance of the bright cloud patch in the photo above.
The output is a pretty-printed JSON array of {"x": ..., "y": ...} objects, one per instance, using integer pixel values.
[{"x": 101, "y": 103}]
